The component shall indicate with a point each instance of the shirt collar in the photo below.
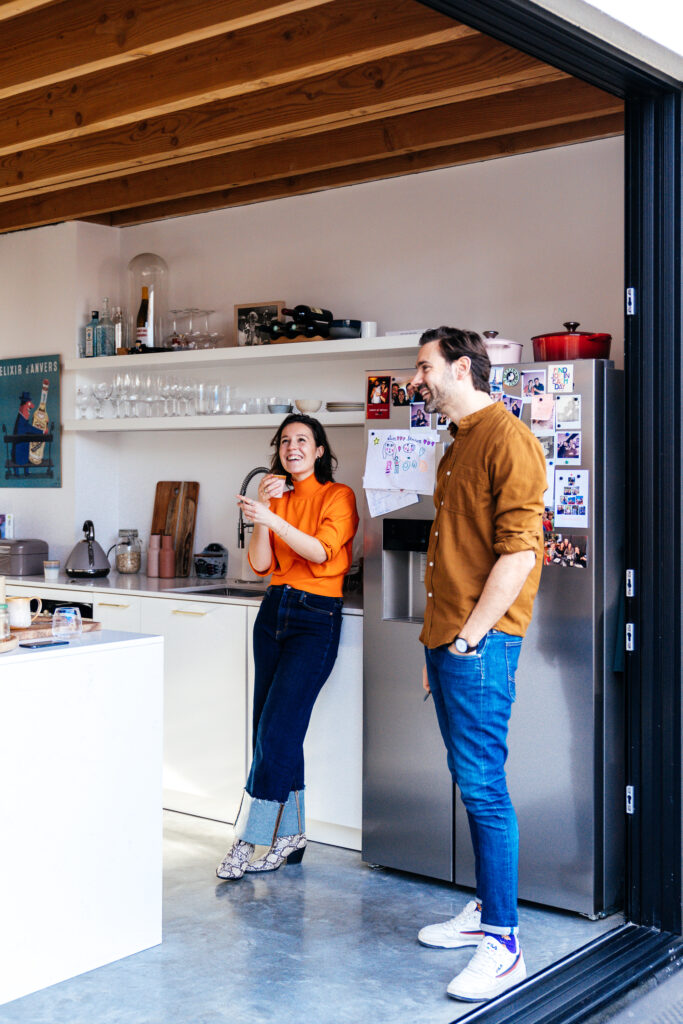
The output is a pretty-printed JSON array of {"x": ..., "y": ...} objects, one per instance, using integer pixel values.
[
  {"x": 468, "y": 422},
  {"x": 305, "y": 488}
]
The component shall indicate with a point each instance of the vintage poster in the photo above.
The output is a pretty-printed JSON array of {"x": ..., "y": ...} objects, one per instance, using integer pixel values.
[
  {"x": 30, "y": 417},
  {"x": 399, "y": 460},
  {"x": 379, "y": 391}
]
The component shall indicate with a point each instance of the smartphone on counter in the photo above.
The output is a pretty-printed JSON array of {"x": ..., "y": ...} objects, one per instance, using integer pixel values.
[{"x": 45, "y": 643}]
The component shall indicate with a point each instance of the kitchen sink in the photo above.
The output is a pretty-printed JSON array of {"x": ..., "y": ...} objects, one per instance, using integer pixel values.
[{"x": 225, "y": 588}]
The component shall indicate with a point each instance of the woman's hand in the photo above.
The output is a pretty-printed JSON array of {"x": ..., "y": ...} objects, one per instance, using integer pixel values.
[
  {"x": 256, "y": 512},
  {"x": 269, "y": 487}
]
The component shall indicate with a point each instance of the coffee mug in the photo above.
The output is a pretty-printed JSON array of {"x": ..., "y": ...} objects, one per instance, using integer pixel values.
[
  {"x": 20, "y": 616},
  {"x": 368, "y": 329}
]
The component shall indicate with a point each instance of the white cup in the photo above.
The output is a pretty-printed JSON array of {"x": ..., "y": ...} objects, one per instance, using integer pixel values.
[
  {"x": 277, "y": 493},
  {"x": 368, "y": 329},
  {"x": 19, "y": 608}
]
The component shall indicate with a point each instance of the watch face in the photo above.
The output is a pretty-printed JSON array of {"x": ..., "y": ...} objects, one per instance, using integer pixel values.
[{"x": 461, "y": 645}]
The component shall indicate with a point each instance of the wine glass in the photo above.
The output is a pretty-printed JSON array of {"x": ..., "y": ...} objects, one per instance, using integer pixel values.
[
  {"x": 189, "y": 398},
  {"x": 83, "y": 396},
  {"x": 102, "y": 393},
  {"x": 175, "y": 338}
]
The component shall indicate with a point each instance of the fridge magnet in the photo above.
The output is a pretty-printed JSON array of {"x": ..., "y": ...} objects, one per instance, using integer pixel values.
[
  {"x": 572, "y": 498},
  {"x": 513, "y": 404},
  {"x": 418, "y": 416},
  {"x": 569, "y": 447},
  {"x": 442, "y": 421},
  {"x": 561, "y": 378},
  {"x": 547, "y": 520},
  {"x": 543, "y": 414},
  {"x": 510, "y": 376},
  {"x": 533, "y": 383},
  {"x": 30, "y": 416},
  {"x": 379, "y": 389},
  {"x": 568, "y": 412},
  {"x": 496, "y": 396}
]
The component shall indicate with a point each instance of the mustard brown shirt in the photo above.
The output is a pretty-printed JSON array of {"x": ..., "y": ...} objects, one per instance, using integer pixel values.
[{"x": 489, "y": 502}]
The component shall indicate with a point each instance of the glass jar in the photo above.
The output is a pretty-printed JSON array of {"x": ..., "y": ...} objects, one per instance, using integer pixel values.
[
  {"x": 128, "y": 552},
  {"x": 4, "y": 623},
  {"x": 147, "y": 299}
]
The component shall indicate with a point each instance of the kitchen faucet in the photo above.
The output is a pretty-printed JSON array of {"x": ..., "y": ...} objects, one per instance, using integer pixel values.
[{"x": 242, "y": 527}]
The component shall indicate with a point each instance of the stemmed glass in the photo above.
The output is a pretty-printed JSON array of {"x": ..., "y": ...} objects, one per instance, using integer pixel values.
[
  {"x": 102, "y": 393},
  {"x": 175, "y": 339},
  {"x": 189, "y": 398},
  {"x": 83, "y": 406},
  {"x": 122, "y": 392}
]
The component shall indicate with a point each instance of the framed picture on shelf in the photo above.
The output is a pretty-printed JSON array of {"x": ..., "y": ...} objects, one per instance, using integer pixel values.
[{"x": 252, "y": 319}]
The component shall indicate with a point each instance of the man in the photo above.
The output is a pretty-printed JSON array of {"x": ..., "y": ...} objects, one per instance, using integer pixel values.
[{"x": 483, "y": 568}]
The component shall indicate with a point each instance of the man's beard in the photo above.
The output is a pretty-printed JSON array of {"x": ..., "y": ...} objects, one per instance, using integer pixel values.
[{"x": 432, "y": 400}]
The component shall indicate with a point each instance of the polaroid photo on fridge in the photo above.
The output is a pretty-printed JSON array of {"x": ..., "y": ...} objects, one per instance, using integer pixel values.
[
  {"x": 513, "y": 404},
  {"x": 533, "y": 383},
  {"x": 572, "y": 506},
  {"x": 568, "y": 412},
  {"x": 568, "y": 447},
  {"x": 543, "y": 414}
]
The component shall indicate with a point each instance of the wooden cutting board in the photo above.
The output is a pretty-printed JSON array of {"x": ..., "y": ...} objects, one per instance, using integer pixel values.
[
  {"x": 175, "y": 514},
  {"x": 42, "y": 626}
]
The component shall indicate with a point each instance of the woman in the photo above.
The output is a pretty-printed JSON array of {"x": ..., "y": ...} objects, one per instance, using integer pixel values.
[{"x": 304, "y": 539}]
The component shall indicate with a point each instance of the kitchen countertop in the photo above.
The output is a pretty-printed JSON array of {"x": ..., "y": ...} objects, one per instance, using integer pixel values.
[{"x": 137, "y": 584}]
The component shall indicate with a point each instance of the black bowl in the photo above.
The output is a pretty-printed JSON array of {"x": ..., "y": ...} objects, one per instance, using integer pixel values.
[{"x": 345, "y": 329}]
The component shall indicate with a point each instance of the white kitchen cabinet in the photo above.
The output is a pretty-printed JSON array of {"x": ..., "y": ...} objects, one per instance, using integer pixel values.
[
  {"x": 204, "y": 703},
  {"x": 118, "y": 611},
  {"x": 334, "y": 743}
]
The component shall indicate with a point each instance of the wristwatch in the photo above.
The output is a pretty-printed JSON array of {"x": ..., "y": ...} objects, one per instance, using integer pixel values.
[{"x": 462, "y": 647}]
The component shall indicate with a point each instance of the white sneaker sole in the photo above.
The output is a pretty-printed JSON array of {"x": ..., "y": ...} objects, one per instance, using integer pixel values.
[
  {"x": 473, "y": 940},
  {"x": 509, "y": 980}
]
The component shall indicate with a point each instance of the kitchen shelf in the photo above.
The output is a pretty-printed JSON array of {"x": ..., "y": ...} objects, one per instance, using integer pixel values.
[
  {"x": 269, "y": 420},
  {"x": 369, "y": 349}
]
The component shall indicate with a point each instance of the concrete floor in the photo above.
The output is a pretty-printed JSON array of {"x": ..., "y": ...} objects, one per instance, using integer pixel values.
[{"x": 328, "y": 941}]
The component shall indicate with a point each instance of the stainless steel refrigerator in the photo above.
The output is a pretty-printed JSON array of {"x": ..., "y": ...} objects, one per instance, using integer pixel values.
[{"x": 566, "y": 741}]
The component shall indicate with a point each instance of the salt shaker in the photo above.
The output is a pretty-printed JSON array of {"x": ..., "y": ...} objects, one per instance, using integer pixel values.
[
  {"x": 153, "y": 553},
  {"x": 166, "y": 558}
]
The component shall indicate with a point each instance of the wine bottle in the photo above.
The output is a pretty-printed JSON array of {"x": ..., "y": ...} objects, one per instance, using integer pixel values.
[
  {"x": 275, "y": 329},
  {"x": 104, "y": 333},
  {"x": 142, "y": 320},
  {"x": 40, "y": 420},
  {"x": 89, "y": 343},
  {"x": 309, "y": 315}
]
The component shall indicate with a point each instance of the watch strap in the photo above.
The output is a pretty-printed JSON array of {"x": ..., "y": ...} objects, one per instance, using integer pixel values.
[{"x": 469, "y": 648}]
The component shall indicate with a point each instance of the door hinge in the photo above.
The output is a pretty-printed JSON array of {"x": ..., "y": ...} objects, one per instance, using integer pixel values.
[
  {"x": 630, "y": 636},
  {"x": 630, "y": 302},
  {"x": 630, "y": 582},
  {"x": 630, "y": 800}
]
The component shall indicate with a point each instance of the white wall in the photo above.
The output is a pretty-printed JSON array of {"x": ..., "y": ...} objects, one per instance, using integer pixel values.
[{"x": 518, "y": 245}]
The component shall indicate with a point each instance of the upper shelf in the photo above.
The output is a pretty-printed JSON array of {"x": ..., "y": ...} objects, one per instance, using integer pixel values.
[{"x": 369, "y": 349}]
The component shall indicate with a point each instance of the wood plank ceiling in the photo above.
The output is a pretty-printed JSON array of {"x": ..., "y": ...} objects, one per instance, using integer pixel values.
[{"x": 123, "y": 111}]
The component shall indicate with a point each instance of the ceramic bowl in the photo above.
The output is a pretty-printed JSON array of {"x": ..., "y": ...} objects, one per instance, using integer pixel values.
[
  {"x": 279, "y": 407},
  {"x": 307, "y": 405}
]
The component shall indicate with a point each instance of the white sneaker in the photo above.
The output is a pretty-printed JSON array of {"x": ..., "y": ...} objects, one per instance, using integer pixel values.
[
  {"x": 463, "y": 930},
  {"x": 492, "y": 970}
]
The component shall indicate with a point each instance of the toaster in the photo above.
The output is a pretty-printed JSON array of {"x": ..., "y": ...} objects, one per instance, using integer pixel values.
[{"x": 22, "y": 557}]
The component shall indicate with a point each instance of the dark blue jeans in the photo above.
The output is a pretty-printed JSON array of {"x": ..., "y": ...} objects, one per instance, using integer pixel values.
[
  {"x": 473, "y": 696},
  {"x": 296, "y": 638}
]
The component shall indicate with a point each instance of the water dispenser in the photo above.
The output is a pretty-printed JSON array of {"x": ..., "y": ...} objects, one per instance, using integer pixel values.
[{"x": 404, "y": 559}]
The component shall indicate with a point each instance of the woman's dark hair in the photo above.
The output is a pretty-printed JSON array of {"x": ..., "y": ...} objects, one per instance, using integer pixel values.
[
  {"x": 325, "y": 465},
  {"x": 454, "y": 343}
]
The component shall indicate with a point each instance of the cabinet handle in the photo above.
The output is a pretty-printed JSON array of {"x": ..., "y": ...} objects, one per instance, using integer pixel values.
[
  {"x": 178, "y": 611},
  {"x": 110, "y": 604}
]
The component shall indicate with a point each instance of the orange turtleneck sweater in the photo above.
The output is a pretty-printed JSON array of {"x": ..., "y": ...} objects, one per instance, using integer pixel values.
[{"x": 326, "y": 512}]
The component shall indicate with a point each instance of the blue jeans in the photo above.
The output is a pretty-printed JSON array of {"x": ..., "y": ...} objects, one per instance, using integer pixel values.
[
  {"x": 296, "y": 638},
  {"x": 473, "y": 696}
]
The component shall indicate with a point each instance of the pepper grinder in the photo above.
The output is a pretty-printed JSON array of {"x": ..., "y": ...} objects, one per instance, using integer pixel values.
[
  {"x": 153, "y": 553},
  {"x": 166, "y": 558}
]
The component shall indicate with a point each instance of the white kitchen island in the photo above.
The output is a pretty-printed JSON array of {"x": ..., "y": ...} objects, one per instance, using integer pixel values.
[{"x": 80, "y": 807}]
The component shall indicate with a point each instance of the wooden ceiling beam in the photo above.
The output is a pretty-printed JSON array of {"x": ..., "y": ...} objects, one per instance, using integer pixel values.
[
  {"x": 12, "y": 8},
  {"x": 76, "y": 37},
  {"x": 373, "y": 170},
  {"x": 505, "y": 114},
  {"x": 281, "y": 52},
  {"x": 472, "y": 67}
]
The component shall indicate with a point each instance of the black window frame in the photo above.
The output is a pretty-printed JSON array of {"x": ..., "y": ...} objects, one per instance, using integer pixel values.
[{"x": 585, "y": 981}]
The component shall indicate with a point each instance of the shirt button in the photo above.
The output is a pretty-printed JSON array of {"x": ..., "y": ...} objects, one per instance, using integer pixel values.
[
  {"x": 448, "y": 473},
  {"x": 436, "y": 533},
  {"x": 431, "y": 563},
  {"x": 429, "y": 595},
  {"x": 442, "y": 503}
]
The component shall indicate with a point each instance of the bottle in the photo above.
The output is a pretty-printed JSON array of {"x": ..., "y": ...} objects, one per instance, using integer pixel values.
[
  {"x": 119, "y": 323},
  {"x": 89, "y": 344},
  {"x": 41, "y": 420},
  {"x": 142, "y": 321},
  {"x": 275, "y": 329},
  {"x": 104, "y": 333},
  {"x": 309, "y": 315},
  {"x": 5, "y": 632},
  {"x": 166, "y": 558},
  {"x": 153, "y": 553}
]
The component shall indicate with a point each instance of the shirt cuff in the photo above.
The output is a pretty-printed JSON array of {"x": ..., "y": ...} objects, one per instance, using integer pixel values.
[{"x": 518, "y": 542}]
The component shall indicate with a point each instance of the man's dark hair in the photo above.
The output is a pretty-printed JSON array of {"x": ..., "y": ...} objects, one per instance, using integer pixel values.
[
  {"x": 454, "y": 343},
  {"x": 325, "y": 465}
]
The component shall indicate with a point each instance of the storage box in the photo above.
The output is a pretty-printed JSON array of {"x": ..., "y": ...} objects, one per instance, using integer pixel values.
[{"x": 22, "y": 557}]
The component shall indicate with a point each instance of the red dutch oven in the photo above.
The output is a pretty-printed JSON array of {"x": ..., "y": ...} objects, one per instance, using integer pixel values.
[{"x": 574, "y": 344}]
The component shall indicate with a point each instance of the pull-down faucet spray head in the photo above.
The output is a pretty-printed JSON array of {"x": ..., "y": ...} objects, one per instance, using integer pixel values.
[{"x": 242, "y": 527}]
